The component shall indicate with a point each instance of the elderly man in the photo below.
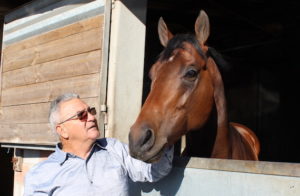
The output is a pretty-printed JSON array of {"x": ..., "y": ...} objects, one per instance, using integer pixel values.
[{"x": 84, "y": 165}]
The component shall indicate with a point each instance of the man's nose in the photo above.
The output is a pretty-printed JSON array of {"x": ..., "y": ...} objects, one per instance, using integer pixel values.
[{"x": 91, "y": 117}]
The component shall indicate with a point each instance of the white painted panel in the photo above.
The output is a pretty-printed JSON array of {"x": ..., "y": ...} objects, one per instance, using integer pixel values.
[
  {"x": 126, "y": 65},
  {"x": 29, "y": 159},
  {"x": 198, "y": 182}
]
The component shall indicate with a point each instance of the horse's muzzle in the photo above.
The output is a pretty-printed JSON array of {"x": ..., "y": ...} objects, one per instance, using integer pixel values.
[{"x": 141, "y": 140}]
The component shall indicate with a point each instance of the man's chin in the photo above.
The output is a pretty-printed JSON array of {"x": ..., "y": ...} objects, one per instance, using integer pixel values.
[{"x": 94, "y": 132}]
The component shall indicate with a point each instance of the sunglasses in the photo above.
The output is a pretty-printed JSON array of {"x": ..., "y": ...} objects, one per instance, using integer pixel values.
[{"x": 81, "y": 115}]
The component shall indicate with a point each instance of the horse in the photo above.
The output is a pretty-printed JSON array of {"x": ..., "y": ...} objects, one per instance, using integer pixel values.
[{"x": 186, "y": 93}]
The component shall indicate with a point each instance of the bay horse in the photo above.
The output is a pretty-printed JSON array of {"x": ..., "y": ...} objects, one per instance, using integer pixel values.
[{"x": 186, "y": 89}]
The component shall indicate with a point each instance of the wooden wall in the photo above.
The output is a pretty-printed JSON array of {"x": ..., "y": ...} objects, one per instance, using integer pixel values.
[{"x": 37, "y": 70}]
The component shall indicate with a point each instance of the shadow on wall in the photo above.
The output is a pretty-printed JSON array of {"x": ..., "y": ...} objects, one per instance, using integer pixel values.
[{"x": 167, "y": 186}]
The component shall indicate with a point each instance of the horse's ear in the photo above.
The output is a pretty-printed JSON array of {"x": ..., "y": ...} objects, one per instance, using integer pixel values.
[
  {"x": 164, "y": 34},
  {"x": 202, "y": 27}
]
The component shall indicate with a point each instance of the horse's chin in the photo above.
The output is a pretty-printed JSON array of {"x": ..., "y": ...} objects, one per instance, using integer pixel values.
[{"x": 153, "y": 154}]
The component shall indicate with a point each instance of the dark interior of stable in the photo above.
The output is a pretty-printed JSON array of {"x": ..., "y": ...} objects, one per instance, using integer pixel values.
[{"x": 260, "y": 41}]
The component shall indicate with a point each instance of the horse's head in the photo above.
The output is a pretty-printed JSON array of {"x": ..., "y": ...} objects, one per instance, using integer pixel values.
[{"x": 182, "y": 92}]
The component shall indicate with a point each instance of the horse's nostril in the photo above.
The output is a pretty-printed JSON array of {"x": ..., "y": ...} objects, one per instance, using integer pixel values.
[{"x": 148, "y": 136}]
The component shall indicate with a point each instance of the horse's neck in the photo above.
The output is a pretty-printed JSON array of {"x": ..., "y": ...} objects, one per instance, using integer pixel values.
[
  {"x": 200, "y": 142},
  {"x": 229, "y": 143},
  {"x": 222, "y": 147},
  {"x": 208, "y": 141}
]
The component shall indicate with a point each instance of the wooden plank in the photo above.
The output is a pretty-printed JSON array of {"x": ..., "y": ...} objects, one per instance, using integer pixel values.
[
  {"x": 86, "y": 86},
  {"x": 81, "y": 26},
  {"x": 33, "y": 113},
  {"x": 30, "y": 113},
  {"x": 68, "y": 46},
  {"x": 27, "y": 134},
  {"x": 82, "y": 64},
  {"x": 26, "y": 131}
]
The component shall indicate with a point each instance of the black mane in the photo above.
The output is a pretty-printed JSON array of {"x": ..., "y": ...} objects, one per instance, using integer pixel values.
[
  {"x": 177, "y": 42},
  {"x": 222, "y": 64}
]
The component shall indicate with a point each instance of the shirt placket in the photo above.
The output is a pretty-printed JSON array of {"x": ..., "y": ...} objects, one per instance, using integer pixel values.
[{"x": 89, "y": 170}]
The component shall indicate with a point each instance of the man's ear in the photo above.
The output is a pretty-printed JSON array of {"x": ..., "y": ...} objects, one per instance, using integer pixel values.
[{"x": 62, "y": 131}]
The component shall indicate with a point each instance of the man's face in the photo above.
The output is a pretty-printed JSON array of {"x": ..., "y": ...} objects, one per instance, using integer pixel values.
[{"x": 77, "y": 129}]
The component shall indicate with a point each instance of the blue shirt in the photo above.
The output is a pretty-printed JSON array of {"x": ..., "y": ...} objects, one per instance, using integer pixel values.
[{"x": 104, "y": 172}]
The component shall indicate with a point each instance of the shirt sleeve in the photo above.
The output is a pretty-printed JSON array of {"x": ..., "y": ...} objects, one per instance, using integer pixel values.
[
  {"x": 141, "y": 171},
  {"x": 34, "y": 179},
  {"x": 29, "y": 185}
]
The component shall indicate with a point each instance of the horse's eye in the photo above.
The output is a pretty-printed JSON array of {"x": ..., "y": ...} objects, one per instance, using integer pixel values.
[{"x": 191, "y": 74}]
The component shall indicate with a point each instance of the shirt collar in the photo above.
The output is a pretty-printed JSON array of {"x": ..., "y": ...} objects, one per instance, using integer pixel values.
[
  {"x": 62, "y": 156},
  {"x": 101, "y": 143}
]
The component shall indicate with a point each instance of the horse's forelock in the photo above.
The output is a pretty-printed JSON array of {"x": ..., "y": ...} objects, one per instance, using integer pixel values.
[{"x": 177, "y": 42}]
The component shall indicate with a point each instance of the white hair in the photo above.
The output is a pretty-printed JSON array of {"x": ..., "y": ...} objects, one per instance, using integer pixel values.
[{"x": 54, "y": 117}]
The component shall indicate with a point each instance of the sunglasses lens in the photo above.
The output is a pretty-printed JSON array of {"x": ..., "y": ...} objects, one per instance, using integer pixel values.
[
  {"x": 82, "y": 115},
  {"x": 92, "y": 111}
]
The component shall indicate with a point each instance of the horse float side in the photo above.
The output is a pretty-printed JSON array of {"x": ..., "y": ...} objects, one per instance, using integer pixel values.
[
  {"x": 51, "y": 47},
  {"x": 96, "y": 48}
]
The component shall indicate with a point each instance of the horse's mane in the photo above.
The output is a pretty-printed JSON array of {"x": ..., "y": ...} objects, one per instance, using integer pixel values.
[
  {"x": 222, "y": 64},
  {"x": 177, "y": 42}
]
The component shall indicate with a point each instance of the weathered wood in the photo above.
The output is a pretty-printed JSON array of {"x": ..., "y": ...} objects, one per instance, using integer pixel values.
[
  {"x": 68, "y": 46},
  {"x": 28, "y": 124},
  {"x": 37, "y": 70},
  {"x": 33, "y": 113},
  {"x": 86, "y": 86},
  {"x": 82, "y": 64},
  {"x": 81, "y": 26},
  {"x": 27, "y": 134}
]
